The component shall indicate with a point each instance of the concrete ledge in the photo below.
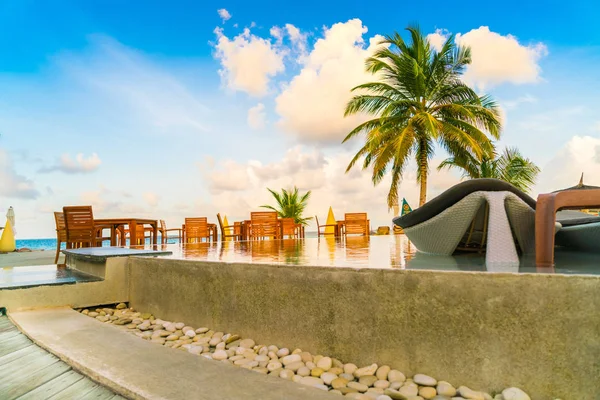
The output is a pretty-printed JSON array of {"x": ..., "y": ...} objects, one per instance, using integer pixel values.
[
  {"x": 487, "y": 331},
  {"x": 113, "y": 289},
  {"x": 138, "y": 369}
]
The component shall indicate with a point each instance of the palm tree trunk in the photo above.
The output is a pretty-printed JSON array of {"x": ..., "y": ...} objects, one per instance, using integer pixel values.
[{"x": 423, "y": 176}]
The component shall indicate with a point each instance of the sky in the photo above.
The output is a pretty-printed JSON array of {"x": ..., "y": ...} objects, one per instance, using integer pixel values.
[{"x": 176, "y": 109}]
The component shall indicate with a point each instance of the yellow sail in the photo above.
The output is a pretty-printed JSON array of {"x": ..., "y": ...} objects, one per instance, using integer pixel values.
[
  {"x": 330, "y": 230},
  {"x": 7, "y": 241}
]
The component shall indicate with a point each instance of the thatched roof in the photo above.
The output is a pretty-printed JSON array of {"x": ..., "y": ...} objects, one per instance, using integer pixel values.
[{"x": 579, "y": 186}]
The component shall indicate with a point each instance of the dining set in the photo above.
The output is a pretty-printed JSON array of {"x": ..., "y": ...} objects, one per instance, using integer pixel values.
[{"x": 76, "y": 226}]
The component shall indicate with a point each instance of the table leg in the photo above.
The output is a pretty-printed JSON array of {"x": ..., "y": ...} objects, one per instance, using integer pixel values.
[
  {"x": 113, "y": 235},
  {"x": 132, "y": 233},
  {"x": 545, "y": 218},
  {"x": 155, "y": 234}
]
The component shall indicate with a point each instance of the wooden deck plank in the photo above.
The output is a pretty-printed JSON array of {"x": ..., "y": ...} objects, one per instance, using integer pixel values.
[
  {"x": 18, "y": 371},
  {"x": 14, "y": 344},
  {"x": 8, "y": 334},
  {"x": 28, "y": 372},
  {"x": 7, "y": 326},
  {"x": 19, "y": 387},
  {"x": 99, "y": 393},
  {"x": 75, "y": 391},
  {"x": 53, "y": 386},
  {"x": 19, "y": 364},
  {"x": 19, "y": 353}
]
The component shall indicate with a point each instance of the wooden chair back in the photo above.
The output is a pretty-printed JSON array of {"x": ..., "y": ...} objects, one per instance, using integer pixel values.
[
  {"x": 61, "y": 228},
  {"x": 356, "y": 223},
  {"x": 288, "y": 227},
  {"x": 79, "y": 226},
  {"x": 221, "y": 226},
  {"x": 196, "y": 229},
  {"x": 264, "y": 224}
]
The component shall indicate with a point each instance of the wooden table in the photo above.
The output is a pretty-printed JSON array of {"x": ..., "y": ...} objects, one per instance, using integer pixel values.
[
  {"x": 132, "y": 223},
  {"x": 545, "y": 218}
]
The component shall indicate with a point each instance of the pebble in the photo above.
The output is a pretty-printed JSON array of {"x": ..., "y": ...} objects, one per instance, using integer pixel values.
[
  {"x": 445, "y": 389},
  {"x": 338, "y": 383},
  {"x": 368, "y": 380},
  {"x": 514, "y": 393},
  {"x": 325, "y": 363},
  {"x": 220, "y": 355},
  {"x": 370, "y": 370},
  {"x": 424, "y": 380},
  {"x": 396, "y": 376},
  {"x": 358, "y": 386},
  {"x": 295, "y": 366},
  {"x": 427, "y": 392},
  {"x": 282, "y": 352},
  {"x": 291, "y": 359},
  {"x": 381, "y": 384},
  {"x": 274, "y": 365},
  {"x": 286, "y": 374},
  {"x": 470, "y": 394},
  {"x": 328, "y": 377},
  {"x": 350, "y": 368},
  {"x": 367, "y": 383},
  {"x": 382, "y": 372}
]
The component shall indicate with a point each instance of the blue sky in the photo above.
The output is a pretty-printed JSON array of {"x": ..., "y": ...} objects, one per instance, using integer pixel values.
[{"x": 173, "y": 109}]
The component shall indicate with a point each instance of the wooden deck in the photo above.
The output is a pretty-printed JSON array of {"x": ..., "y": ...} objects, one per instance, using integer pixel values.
[{"x": 29, "y": 373}]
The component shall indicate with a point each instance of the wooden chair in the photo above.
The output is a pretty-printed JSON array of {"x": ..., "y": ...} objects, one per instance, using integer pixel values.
[
  {"x": 264, "y": 224},
  {"x": 81, "y": 231},
  {"x": 164, "y": 232},
  {"x": 196, "y": 229},
  {"x": 237, "y": 229},
  {"x": 319, "y": 233},
  {"x": 289, "y": 228},
  {"x": 356, "y": 223},
  {"x": 61, "y": 232}
]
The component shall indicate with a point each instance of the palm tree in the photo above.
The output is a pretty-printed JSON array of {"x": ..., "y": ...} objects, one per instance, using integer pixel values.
[
  {"x": 290, "y": 204},
  {"x": 419, "y": 100},
  {"x": 510, "y": 167}
]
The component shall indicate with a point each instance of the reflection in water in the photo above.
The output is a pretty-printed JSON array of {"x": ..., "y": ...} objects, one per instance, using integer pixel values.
[{"x": 394, "y": 251}]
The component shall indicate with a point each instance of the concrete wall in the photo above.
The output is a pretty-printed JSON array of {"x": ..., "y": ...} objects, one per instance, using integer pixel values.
[
  {"x": 114, "y": 289},
  {"x": 486, "y": 331}
]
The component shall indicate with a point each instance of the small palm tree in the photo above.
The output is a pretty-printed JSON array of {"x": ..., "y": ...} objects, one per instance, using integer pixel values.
[
  {"x": 290, "y": 204},
  {"x": 510, "y": 167},
  {"x": 419, "y": 100}
]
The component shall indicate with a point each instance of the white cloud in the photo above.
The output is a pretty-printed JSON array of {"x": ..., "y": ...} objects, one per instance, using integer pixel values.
[
  {"x": 248, "y": 62},
  {"x": 526, "y": 99},
  {"x": 323, "y": 174},
  {"x": 257, "y": 116},
  {"x": 12, "y": 184},
  {"x": 312, "y": 105},
  {"x": 498, "y": 59},
  {"x": 298, "y": 39},
  {"x": 128, "y": 83},
  {"x": 438, "y": 38},
  {"x": 224, "y": 14},
  {"x": 79, "y": 165},
  {"x": 581, "y": 154},
  {"x": 151, "y": 199}
]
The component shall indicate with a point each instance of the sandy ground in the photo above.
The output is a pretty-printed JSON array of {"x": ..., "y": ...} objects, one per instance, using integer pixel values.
[{"x": 16, "y": 259}]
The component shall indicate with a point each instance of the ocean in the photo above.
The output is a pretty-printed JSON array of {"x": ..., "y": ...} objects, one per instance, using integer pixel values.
[{"x": 50, "y": 244}]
